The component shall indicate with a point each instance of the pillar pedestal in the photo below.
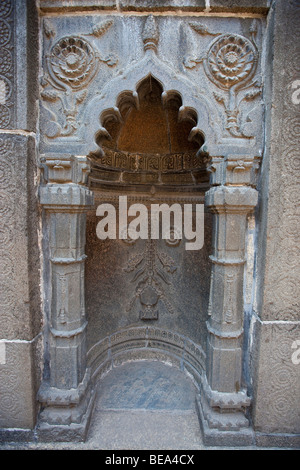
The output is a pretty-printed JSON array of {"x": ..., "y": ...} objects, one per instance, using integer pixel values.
[{"x": 223, "y": 401}]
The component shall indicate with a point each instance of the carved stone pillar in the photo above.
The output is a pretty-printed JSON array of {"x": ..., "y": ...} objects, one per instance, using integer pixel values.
[
  {"x": 223, "y": 401},
  {"x": 65, "y": 393}
]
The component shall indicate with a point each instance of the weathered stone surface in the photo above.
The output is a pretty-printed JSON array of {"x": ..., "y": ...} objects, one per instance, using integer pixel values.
[
  {"x": 112, "y": 290},
  {"x": 166, "y": 102},
  {"x": 248, "y": 6},
  {"x": 18, "y": 69},
  {"x": 278, "y": 255},
  {"x": 240, "y": 6},
  {"x": 19, "y": 375},
  {"x": 146, "y": 386},
  {"x": 20, "y": 297},
  {"x": 276, "y": 378},
  {"x": 20, "y": 300},
  {"x": 161, "y": 5}
]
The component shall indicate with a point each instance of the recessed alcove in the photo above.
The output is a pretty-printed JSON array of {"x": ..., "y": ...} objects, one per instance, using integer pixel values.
[
  {"x": 147, "y": 299},
  {"x": 149, "y": 139}
]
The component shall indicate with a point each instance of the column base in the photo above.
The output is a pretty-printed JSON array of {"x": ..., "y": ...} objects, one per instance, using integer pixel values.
[
  {"x": 222, "y": 417},
  {"x": 65, "y": 414}
]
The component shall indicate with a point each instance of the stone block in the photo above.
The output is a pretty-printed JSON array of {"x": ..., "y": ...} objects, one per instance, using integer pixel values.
[
  {"x": 223, "y": 363},
  {"x": 19, "y": 70},
  {"x": 19, "y": 249},
  {"x": 276, "y": 379},
  {"x": 18, "y": 408},
  {"x": 240, "y": 6},
  {"x": 161, "y": 5},
  {"x": 64, "y": 6}
]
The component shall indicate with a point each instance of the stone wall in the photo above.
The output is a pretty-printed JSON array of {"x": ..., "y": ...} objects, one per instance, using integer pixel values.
[
  {"x": 34, "y": 338},
  {"x": 20, "y": 256},
  {"x": 276, "y": 317}
]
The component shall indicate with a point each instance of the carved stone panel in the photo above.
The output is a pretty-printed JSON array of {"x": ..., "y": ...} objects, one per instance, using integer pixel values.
[
  {"x": 88, "y": 61},
  {"x": 7, "y": 66},
  {"x": 145, "y": 282}
]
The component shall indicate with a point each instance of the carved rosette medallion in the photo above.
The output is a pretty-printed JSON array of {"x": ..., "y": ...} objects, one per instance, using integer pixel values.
[
  {"x": 230, "y": 63},
  {"x": 72, "y": 62},
  {"x": 231, "y": 60}
]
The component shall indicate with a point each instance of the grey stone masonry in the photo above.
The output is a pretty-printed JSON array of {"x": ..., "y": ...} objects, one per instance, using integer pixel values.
[
  {"x": 20, "y": 297},
  {"x": 276, "y": 309},
  {"x": 171, "y": 101},
  {"x": 65, "y": 395},
  {"x": 239, "y": 6}
]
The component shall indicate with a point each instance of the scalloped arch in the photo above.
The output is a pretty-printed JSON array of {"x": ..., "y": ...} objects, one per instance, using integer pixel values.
[{"x": 121, "y": 91}]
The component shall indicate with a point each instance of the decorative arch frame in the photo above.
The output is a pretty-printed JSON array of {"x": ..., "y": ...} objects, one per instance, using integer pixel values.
[
  {"x": 127, "y": 85},
  {"x": 68, "y": 389}
]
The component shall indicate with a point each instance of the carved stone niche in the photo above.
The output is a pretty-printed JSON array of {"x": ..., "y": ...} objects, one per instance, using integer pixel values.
[
  {"x": 149, "y": 149},
  {"x": 152, "y": 150},
  {"x": 154, "y": 135},
  {"x": 149, "y": 143}
]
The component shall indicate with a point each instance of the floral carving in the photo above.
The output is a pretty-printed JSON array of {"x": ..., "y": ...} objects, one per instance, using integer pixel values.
[
  {"x": 72, "y": 61},
  {"x": 5, "y": 33},
  {"x": 151, "y": 267},
  {"x": 230, "y": 63},
  {"x": 72, "y": 64},
  {"x": 231, "y": 60},
  {"x": 5, "y": 61},
  {"x": 5, "y": 8}
]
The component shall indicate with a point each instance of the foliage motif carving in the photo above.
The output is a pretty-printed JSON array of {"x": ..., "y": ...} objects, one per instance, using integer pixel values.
[
  {"x": 72, "y": 61},
  {"x": 71, "y": 64},
  {"x": 151, "y": 268},
  {"x": 230, "y": 63}
]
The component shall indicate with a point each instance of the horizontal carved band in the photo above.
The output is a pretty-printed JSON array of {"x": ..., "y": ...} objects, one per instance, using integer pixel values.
[
  {"x": 139, "y": 343},
  {"x": 225, "y": 334},
  {"x": 68, "y": 334},
  {"x": 149, "y": 162},
  {"x": 231, "y": 199},
  {"x": 150, "y": 198},
  {"x": 227, "y": 262},
  {"x": 60, "y": 197},
  {"x": 81, "y": 259}
]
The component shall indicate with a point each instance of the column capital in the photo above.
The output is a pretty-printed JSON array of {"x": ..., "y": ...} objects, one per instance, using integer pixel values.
[
  {"x": 235, "y": 169},
  {"x": 63, "y": 183},
  {"x": 64, "y": 168},
  {"x": 66, "y": 197}
]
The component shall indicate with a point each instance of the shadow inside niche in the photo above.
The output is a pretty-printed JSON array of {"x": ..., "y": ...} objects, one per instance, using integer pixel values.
[{"x": 148, "y": 385}]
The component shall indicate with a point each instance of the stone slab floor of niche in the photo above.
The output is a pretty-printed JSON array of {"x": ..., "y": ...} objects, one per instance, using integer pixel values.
[{"x": 145, "y": 405}]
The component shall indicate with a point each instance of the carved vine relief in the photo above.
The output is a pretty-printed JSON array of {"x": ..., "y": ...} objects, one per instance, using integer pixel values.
[
  {"x": 71, "y": 64},
  {"x": 151, "y": 270},
  {"x": 230, "y": 63}
]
